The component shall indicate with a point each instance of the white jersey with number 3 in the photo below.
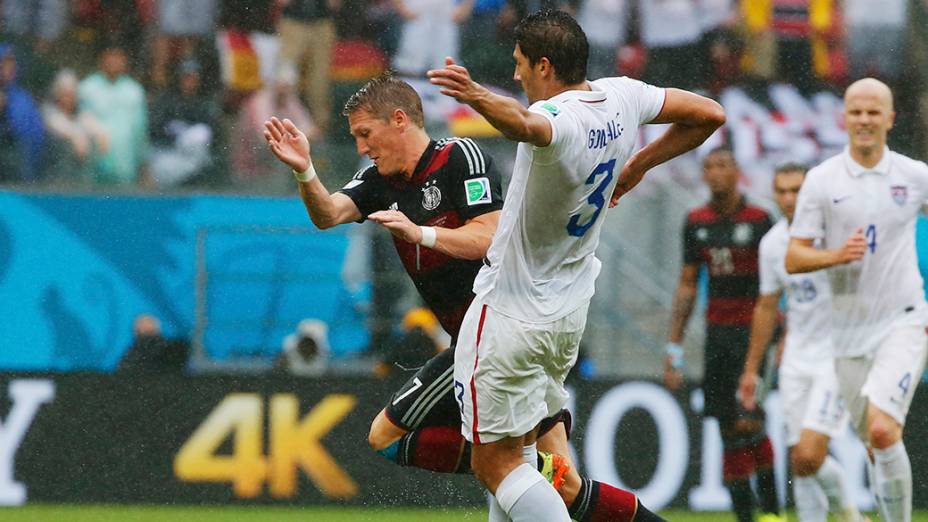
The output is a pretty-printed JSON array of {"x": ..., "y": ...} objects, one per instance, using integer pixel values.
[
  {"x": 883, "y": 291},
  {"x": 541, "y": 262}
]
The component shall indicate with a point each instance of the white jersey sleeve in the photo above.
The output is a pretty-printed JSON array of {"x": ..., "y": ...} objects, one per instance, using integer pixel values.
[
  {"x": 809, "y": 220},
  {"x": 770, "y": 280}
]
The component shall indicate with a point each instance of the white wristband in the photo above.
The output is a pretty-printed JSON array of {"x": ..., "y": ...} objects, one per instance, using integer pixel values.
[
  {"x": 307, "y": 175},
  {"x": 428, "y": 237}
]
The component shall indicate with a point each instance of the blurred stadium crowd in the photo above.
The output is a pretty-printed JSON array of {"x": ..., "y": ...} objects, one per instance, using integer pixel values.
[{"x": 155, "y": 95}]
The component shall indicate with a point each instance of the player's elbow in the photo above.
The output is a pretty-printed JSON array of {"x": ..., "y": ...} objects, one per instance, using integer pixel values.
[
  {"x": 322, "y": 223},
  {"x": 715, "y": 114}
]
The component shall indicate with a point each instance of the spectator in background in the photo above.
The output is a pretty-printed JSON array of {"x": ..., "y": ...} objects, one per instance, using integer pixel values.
[
  {"x": 183, "y": 25},
  {"x": 429, "y": 33},
  {"x": 876, "y": 33},
  {"x": 721, "y": 46},
  {"x": 307, "y": 35},
  {"x": 306, "y": 351},
  {"x": 671, "y": 31},
  {"x": 22, "y": 135},
  {"x": 251, "y": 159},
  {"x": 74, "y": 135},
  {"x": 41, "y": 20},
  {"x": 788, "y": 40},
  {"x": 486, "y": 41},
  {"x": 118, "y": 102},
  {"x": 151, "y": 352},
  {"x": 605, "y": 23},
  {"x": 418, "y": 342},
  {"x": 185, "y": 125}
]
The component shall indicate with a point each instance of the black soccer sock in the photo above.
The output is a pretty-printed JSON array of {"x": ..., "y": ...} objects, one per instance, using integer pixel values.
[
  {"x": 742, "y": 499},
  {"x": 762, "y": 451},
  {"x": 645, "y": 515},
  {"x": 599, "y": 501}
]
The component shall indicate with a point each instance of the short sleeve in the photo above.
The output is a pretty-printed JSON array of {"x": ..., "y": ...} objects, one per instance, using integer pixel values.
[
  {"x": 365, "y": 189},
  {"x": 770, "y": 282},
  {"x": 650, "y": 100},
  {"x": 691, "y": 250},
  {"x": 809, "y": 220},
  {"x": 477, "y": 187}
]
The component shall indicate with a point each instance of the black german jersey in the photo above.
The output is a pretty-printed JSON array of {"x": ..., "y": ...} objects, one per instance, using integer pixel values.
[
  {"x": 728, "y": 247},
  {"x": 454, "y": 182}
]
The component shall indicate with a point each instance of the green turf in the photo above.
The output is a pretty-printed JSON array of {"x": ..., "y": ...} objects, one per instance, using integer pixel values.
[{"x": 97, "y": 513}]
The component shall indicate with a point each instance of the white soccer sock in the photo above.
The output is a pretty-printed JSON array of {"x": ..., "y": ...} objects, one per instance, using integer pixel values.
[
  {"x": 527, "y": 497},
  {"x": 830, "y": 477},
  {"x": 496, "y": 511},
  {"x": 872, "y": 480},
  {"x": 530, "y": 454},
  {"x": 894, "y": 482},
  {"x": 811, "y": 504}
]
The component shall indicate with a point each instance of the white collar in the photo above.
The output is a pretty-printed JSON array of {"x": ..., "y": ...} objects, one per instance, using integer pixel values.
[{"x": 856, "y": 169}]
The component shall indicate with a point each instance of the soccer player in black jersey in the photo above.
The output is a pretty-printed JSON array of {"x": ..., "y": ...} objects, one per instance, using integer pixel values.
[
  {"x": 724, "y": 236},
  {"x": 441, "y": 201}
]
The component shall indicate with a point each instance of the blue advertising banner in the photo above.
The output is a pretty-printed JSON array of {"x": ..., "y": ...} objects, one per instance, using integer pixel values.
[{"x": 76, "y": 270}]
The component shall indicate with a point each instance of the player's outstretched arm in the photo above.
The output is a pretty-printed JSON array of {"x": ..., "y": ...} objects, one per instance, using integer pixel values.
[
  {"x": 802, "y": 256},
  {"x": 506, "y": 114},
  {"x": 469, "y": 241},
  {"x": 291, "y": 147},
  {"x": 693, "y": 119},
  {"x": 763, "y": 322}
]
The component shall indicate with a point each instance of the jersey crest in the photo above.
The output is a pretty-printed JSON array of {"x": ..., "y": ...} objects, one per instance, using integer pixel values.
[
  {"x": 431, "y": 197},
  {"x": 900, "y": 193}
]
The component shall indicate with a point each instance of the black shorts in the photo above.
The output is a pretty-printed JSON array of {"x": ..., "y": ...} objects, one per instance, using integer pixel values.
[
  {"x": 427, "y": 399},
  {"x": 725, "y": 352}
]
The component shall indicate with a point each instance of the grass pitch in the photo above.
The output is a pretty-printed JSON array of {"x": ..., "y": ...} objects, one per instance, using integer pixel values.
[{"x": 135, "y": 513}]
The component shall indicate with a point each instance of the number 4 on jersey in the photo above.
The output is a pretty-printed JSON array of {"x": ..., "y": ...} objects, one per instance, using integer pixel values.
[{"x": 596, "y": 199}]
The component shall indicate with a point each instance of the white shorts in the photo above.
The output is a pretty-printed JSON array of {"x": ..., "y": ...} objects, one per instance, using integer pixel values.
[
  {"x": 887, "y": 378},
  {"x": 812, "y": 401},
  {"x": 508, "y": 374}
]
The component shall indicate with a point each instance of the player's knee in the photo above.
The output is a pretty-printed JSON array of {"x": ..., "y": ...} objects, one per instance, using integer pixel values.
[
  {"x": 379, "y": 438},
  {"x": 805, "y": 461},
  {"x": 883, "y": 433}
]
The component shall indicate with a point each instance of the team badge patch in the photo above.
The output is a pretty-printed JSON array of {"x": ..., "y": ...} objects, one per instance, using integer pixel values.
[
  {"x": 550, "y": 107},
  {"x": 742, "y": 234},
  {"x": 431, "y": 198},
  {"x": 478, "y": 191},
  {"x": 900, "y": 193}
]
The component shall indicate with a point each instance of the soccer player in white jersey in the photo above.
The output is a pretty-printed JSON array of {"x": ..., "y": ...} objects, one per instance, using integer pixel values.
[
  {"x": 863, "y": 204},
  {"x": 812, "y": 405},
  {"x": 521, "y": 333}
]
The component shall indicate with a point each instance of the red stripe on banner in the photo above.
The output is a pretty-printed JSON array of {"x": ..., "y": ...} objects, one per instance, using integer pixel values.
[{"x": 473, "y": 386}]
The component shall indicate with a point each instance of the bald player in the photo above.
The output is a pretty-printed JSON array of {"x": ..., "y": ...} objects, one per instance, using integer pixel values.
[{"x": 862, "y": 204}]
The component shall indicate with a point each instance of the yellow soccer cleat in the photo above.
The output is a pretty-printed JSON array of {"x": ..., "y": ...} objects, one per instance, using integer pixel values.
[{"x": 771, "y": 517}]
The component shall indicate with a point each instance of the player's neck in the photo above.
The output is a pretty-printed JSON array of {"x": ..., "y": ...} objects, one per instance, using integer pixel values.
[
  {"x": 414, "y": 151},
  {"x": 867, "y": 157},
  {"x": 726, "y": 204},
  {"x": 558, "y": 88}
]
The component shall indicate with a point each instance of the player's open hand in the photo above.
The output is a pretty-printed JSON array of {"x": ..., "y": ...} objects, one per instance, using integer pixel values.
[
  {"x": 288, "y": 143},
  {"x": 853, "y": 249},
  {"x": 455, "y": 81},
  {"x": 747, "y": 391},
  {"x": 398, "y": 224}
]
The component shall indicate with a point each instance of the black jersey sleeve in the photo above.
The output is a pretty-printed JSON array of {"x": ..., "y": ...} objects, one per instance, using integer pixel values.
[
  {"x": 477, "y": 187},
  {"x": 366, "y": 190}
]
